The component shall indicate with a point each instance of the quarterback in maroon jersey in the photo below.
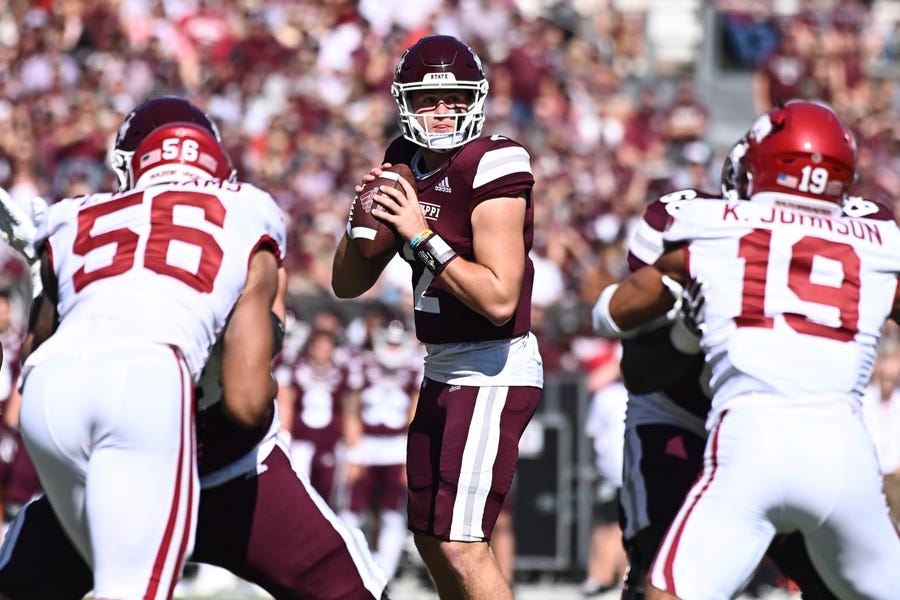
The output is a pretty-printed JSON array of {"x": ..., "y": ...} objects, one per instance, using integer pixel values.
[{"x": 465, "y": 229}]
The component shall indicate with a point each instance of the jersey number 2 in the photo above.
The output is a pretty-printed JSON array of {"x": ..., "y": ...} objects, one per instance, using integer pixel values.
[
  {"x": 754, "y": 249},
  {"x": 163, "y": 232}
]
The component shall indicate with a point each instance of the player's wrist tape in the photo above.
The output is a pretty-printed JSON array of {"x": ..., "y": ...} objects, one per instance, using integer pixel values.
[
  {"x": 676, "y": 289},
  {"x": 415, "y": 241},
  {"x": 601, "y": 319},
  {"x": 605, "y": 326},
  {"x": 434, "y": 253}
]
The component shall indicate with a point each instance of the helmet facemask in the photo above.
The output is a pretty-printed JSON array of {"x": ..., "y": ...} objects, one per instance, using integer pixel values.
[
  {"x": 392, "y": 345},
  {"x": 468, "y": 123},
  {"x": 733, "y": 179}
]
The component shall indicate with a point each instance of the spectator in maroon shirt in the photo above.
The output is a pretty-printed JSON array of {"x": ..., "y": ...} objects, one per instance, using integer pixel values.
[{"x": 782, "y": 76}]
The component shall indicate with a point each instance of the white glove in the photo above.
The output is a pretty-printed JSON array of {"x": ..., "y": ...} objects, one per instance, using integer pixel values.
[
  {"x": 18, "y": 224},
  {"x": 686, "y": 330}
]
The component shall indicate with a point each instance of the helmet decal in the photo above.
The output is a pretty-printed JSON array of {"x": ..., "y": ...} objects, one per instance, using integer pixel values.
[
  {"x": 146, "y": 118},
  {"x": 177, "y": 152}
]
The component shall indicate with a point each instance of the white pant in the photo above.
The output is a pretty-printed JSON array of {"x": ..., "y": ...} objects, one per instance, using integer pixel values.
[
  {"x": 779, "y": 468},
  {"x": 110, "y": 432}
]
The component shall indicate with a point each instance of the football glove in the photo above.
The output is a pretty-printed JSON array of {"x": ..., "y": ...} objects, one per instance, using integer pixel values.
[{"x": 18, "y": 224}]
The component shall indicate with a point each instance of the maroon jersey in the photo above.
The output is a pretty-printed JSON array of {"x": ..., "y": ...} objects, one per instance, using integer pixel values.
[
  {"x": 485, "y": 168},
  {"x": 318, "y": 407},
  {"x": 386, "y": 396}
]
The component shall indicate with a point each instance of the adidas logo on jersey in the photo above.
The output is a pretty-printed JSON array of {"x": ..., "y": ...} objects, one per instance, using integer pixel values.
[{"x": 443, "y": 186}]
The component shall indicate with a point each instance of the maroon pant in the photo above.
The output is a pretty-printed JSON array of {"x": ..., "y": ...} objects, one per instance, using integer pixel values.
[
  {"x": 381, "y": 487},
  {"x": 448, "y": 500},
  {"x": 266, "y": 529}
]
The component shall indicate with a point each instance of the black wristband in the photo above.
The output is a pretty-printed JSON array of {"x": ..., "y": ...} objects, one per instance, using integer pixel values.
[
  {"x": 277, "y": 334},
  {"x": 434, "y": 253}
]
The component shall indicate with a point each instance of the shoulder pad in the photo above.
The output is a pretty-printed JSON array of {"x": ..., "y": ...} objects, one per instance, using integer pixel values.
[{"x": 659, "y": 212}]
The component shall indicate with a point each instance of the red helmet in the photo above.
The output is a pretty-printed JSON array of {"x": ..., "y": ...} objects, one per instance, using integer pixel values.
[
  {"x": 440, "y": 62},
  {"x": 800, "y": 148},
  {"x": 146, "y": 118},
  {"x": 178, "y": 151}
]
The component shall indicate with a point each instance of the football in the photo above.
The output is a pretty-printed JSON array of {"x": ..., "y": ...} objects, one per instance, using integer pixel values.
[{"x": 372, "y": 236}]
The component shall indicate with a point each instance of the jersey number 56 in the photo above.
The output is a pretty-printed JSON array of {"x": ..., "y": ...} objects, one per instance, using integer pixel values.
[{"x": 163, "y": 231}]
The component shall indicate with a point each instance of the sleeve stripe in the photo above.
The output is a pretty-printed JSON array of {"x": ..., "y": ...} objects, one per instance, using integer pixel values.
[
  {"x": 501, "y": 162},
  {"x": 647, "y": 243}
]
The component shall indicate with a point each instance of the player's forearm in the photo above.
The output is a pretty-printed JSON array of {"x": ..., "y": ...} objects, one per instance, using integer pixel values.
[
  {"x": 247, "y": 382},
  {"x": 640, "y": 299},
  {"x": 636, "y": 305},
  {"x": 492, "y": 296}
]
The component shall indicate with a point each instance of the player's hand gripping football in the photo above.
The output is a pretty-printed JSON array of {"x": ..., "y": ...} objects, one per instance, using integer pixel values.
[{"x": 400, "y": 207}]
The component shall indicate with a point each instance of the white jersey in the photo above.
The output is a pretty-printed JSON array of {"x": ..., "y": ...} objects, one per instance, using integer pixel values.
[
  {"x": 163, "y": 264},
  {"x": 796, "y": 290}
]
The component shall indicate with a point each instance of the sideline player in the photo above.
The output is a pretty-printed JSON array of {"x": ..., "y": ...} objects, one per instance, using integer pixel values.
[
  {"x": 797, "y": 284},
  {"x": 472, "y": 282},
  {"x": 378, "y": 421},
  {"x": 319, "y": 388},
  {"x": 255, "y": 518}
]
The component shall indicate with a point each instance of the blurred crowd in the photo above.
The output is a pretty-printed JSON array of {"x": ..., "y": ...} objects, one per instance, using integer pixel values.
[{"x": 300, "y": 90}]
